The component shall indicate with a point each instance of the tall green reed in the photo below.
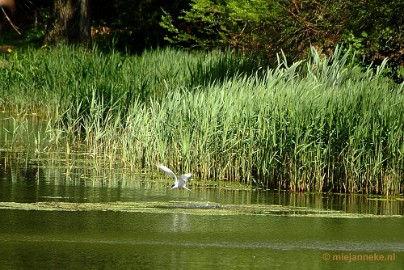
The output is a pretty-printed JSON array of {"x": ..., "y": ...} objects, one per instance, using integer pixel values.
[{"x": 322, "y": 124}]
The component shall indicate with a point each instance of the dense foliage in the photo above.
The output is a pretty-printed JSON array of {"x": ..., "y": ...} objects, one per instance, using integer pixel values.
[
  {"x": 264, "y": 27},
  {"x": 374, "y": 29}
]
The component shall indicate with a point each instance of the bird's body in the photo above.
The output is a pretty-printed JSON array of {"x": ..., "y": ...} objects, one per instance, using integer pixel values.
[{"x": 180, "y": 182}]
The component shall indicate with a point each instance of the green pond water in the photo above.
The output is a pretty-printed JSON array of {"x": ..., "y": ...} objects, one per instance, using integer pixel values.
[
  {"x": 59, "y": 212},
  {"x": 54, "y": 216}
]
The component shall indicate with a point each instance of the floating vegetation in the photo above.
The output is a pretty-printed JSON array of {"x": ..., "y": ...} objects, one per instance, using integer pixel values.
[
  {"x": 192, "y": 208},
  {"x": 322, "y": 124}
]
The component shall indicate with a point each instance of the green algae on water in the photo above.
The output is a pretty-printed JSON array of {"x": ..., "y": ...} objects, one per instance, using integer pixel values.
[{"x": 192, "y": 208}]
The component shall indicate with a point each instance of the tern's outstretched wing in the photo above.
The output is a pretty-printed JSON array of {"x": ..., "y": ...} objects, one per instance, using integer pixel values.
[
  {"x": 185, "y": 177},
  {"x": 166, "y": 170}
]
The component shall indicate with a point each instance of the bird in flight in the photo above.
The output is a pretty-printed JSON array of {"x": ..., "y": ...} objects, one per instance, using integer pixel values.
[{"x": 180, "y": 182}]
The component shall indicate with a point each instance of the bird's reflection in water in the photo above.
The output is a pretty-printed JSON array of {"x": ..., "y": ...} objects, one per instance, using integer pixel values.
[{"x": 180, "y": 223}]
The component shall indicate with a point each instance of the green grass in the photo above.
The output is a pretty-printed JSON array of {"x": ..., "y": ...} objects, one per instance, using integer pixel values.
[{"x": 315, "y": 125}]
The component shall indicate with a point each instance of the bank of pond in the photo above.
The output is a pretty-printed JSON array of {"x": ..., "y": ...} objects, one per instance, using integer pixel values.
[{"x": 323, "y": 124}]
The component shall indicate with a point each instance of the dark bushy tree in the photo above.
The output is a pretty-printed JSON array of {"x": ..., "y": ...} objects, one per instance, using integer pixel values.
[
  {"x": 373, "y": 28},
  {"x": 133, "y": 24},
  {"x": 259, "y": 26},
  {"x": 70, "y": 23}
]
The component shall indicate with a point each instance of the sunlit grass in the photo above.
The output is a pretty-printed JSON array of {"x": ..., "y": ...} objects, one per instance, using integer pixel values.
[{"x": 315, "y": 125}]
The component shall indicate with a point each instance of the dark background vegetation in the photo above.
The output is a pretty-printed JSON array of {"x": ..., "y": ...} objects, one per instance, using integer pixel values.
[{"x": 372, "y": 28}]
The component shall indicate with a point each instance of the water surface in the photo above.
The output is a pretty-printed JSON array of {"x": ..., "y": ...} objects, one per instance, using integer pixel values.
[{"x": 180, "y": 240}]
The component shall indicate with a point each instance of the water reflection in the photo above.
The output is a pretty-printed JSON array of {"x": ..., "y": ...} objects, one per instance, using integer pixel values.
[
  {"x": 26, "y": 178},
  {"x": 180, "y": 223}
]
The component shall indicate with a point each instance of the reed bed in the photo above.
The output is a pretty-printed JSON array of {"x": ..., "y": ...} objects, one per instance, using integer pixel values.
[{"x": 322, "y": 124}]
